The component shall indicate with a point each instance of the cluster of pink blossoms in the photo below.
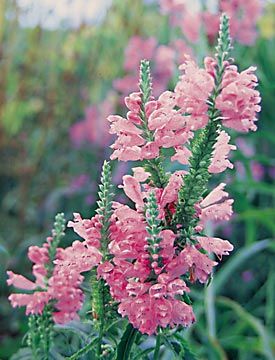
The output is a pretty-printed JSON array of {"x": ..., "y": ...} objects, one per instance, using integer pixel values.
[
  {"x": 62, "y": 288},
  {"x": 174, "y": 116},
  {"x": 150, "y": 279},
  {"x": 190, "y": 19}
]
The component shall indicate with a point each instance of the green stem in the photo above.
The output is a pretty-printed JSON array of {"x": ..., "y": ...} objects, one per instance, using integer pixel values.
[
  {"x": 157, "y": 347},
  {"x": 154, "y": 166},
  {"x": 195, "y": 182}
]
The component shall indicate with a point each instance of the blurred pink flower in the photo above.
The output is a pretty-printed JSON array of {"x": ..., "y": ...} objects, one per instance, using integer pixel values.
[
  {"x": 93, "y": 129},
  {"x": 162, "y": 59},
  {"x": 257, "y": 170},
  {"x": 244, "y": 146}
]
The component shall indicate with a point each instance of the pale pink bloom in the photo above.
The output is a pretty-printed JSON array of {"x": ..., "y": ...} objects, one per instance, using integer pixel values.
[
  {"x": 38, "y": 255},
  {"x": 219, "y": 161},
  {"x": 216, "y": 205},
  {"x": 132, "y": 189},
  {"x": 192, "y": 92},
  {"x": 88, "y": 229},
  {"x": 167, "y": 251},
  {"x": 215, "y": 245},
  {"x": 34, "y": 303},
  {"x": 182, "y": 314},
  {"x": 20, "y": 281},
  {"x": 140, "y": 174},
  {"x": 193, "y": 261},
  {"x": 238, "y": 100},
  {"x": 150, "y": 151},
  {"x": 181, "y": 155},
  {"x": 78, "y": 257},
  {"x": 170, "y": 192}
]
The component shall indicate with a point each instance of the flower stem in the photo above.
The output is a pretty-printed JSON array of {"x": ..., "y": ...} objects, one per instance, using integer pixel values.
[
  {"x": 157, "y": 347},
  {"x": 196, "y": 180},
  {"x": 154, "y": 166}
]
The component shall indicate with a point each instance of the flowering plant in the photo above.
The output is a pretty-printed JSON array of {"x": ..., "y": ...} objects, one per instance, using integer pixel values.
[{"x": 143, "y": 260}]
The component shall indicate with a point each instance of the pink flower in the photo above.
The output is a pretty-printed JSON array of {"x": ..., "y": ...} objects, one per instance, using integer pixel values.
[
  {"x": 238, "y": 100},
  {"x": 166, "y": 128},
  {"x": 20, "y": 281},
  {"x": 190, "y": 25},
  {"x": 140, "y": 174},
  {"x": 88, "y": 229},
  {"x": 170, "y": 192},
  {"x": 182, "y": 155},
  {"x": 219, "y": 161},
  {"x": 192, "y": 92},
  {"x": 34, "y": 303},
  {"x": 215, "y": 245},
  {"x": 216, "y": 205},
  {"x": 132, "y": 189}
]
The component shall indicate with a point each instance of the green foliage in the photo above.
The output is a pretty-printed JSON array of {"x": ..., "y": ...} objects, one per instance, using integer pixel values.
[{"x": 126, "y": 343}]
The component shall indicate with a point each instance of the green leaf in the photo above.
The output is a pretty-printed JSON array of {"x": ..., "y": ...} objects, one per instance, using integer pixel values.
[
  {"x": 143, "y": 353},
  {"x": 126, "y": 343}
]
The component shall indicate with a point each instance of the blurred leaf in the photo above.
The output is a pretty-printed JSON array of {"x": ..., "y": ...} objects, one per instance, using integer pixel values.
[
  {"x": 254, "y": 323},
  {"x": 23, "y": 354}
]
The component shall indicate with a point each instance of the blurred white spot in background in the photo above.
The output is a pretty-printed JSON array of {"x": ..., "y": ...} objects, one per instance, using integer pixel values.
[{"x": 52, "y": 14}]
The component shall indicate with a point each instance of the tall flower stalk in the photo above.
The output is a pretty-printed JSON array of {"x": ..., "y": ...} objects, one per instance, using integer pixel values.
[
  {"x": 143, "y": 259},
  {"x": 195, "y": 182}
]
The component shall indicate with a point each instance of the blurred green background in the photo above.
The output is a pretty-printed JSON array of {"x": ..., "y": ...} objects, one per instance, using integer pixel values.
[{"x": 58, "y": 83}]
